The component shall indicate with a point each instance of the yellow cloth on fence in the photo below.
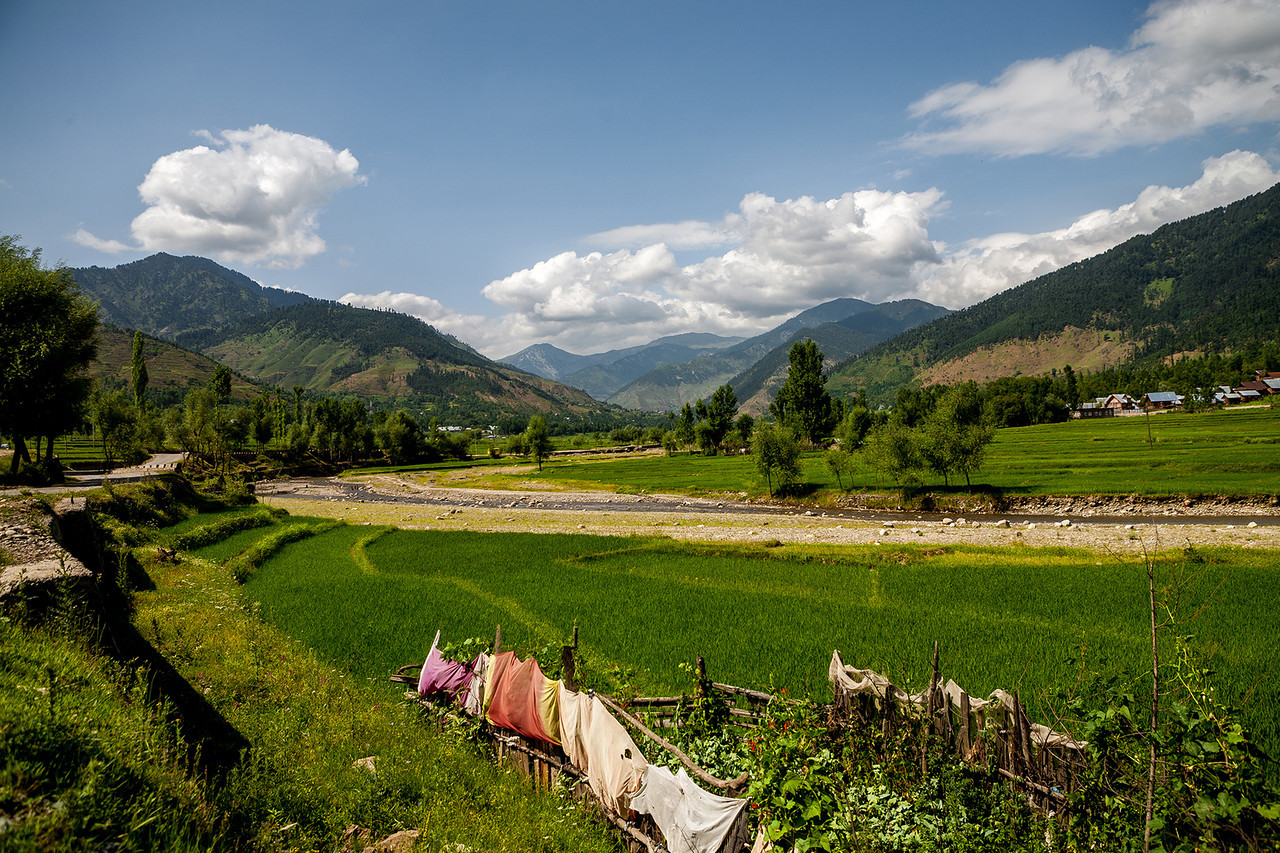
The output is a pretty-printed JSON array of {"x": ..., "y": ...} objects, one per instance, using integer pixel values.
[{"x": 598, "y": 745}]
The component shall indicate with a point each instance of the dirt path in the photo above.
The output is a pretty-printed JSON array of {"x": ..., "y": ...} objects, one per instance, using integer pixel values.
[{"x": 386, "y": 499}]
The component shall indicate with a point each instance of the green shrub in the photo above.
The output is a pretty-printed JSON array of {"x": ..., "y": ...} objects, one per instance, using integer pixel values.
[{"x": 216, "y": 531}]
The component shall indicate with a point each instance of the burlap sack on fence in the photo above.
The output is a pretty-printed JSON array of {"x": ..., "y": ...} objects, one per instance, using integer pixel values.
[{"x": 846, "y": 679}]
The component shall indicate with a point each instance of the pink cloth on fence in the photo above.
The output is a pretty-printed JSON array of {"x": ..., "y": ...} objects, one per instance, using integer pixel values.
[
  {"x": 524, "y": 700},
  {"x": 443, "y": 676},
  {"x": 598, "y": 745}
]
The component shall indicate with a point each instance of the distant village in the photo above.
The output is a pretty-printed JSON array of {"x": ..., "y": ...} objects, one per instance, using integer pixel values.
[{"x": 1264, "y": 384}]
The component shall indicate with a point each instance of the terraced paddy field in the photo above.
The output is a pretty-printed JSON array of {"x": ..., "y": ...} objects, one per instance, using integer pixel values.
[{"x": 768, "y": 614}]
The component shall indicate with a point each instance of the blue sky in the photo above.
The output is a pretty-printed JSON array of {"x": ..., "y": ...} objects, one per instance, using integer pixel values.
[{"x": 597, "y": 175}]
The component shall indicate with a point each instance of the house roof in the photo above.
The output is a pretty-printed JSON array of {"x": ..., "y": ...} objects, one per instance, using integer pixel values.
[
  {"x": 1248, "y": 392},
  {"x": 1163, "y": 397}
]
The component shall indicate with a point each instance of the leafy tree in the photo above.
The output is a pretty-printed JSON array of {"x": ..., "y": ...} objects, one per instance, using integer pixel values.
[
  {"x": 115, "y": 422},
  {"x": 48, "y": 337},
  {"x": 891, "y": 449},
  {"x": 192, "y": 426},
  {"x": 537, "y": 439},
  {"x": 684, "y": 434},
  {"x": 802, "y": 403},
  {"x": 850, "y": 434},
  {"x": 719, "y": 416},
  {"x": 840, "y": 463},
  {"x": 1070, "y": 387},
  {"x": 954, "y": 436},
  {"x": 777, "y": 456},
  {"x": 220, "y": 383},
  {"x": 852, "y": 431},
  {"x": 263, "y": 429},
  {"x": 139, "y": 372},
  {"x": 399, "y": 436},
  {"x": 746, "y": 424}
]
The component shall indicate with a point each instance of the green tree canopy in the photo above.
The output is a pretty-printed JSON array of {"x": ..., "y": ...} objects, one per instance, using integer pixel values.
[
  {"x": 802, "y": 403},
  {"x": 777, "y": 456},
  {"x": 716, "y": 419},
  {"x": 139, "y": 371},
  {"x": 48, "y": 337},
  {"x": 537, "y": 439}
]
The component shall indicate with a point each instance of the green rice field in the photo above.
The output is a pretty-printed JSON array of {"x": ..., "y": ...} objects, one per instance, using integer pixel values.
[
  {"x": 1226, "y": 452},
  {"x": 369, "y": 599}
]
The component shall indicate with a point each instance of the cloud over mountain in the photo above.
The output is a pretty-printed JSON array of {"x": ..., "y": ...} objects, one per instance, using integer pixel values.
[
  {"x": 249, "y": 196},
  {"x": 797, "y": 253},
  {"x": 977, "y": 269}
]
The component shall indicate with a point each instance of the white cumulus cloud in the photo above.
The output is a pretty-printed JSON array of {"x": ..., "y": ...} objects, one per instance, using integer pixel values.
[
  {"x": 981, "y": 268},
  {"x": 793, "y": 254},
  {"x": 1194, "y": 64},
  {"x": 690, "y": 234},
  {"x": 805, "y": 251},
  {"x": 110, "y": 247},
  {"x": 785, "y": 255},
  {"x": 250, "y": 196}
]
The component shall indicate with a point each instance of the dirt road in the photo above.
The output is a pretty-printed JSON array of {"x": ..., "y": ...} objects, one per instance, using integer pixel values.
[{"x": 387, "y": 499}]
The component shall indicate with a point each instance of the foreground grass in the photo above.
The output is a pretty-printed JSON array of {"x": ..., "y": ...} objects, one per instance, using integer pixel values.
[
  {"x": 1017, "y": 618},
  {"x": 90, "y": 759},
  {"x": 86, "y": 761}
]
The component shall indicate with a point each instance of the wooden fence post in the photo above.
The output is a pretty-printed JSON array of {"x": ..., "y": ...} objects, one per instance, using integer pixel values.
[{"x": 568, "y": 667}]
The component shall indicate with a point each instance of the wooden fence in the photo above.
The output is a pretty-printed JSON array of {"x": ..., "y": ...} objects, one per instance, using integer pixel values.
[
  {"x": 981, "y": 733},
  {"x": 994, "y": 734}
]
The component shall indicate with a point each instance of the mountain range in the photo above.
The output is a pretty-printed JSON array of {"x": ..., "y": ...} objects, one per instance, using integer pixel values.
[
  {"x": 277, "y": 338},
  {"x": 669, "y": 372},
  {"x": 1207, "y": 283}
]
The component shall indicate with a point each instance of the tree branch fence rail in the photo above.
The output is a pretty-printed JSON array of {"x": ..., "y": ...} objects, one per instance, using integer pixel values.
[{"x": 998, "y": 735}]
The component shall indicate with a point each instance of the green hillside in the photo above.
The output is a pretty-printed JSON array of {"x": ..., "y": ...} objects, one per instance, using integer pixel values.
[
  {"x": 841, "y": 327},
  {"x": 1205, "y": 284},
  {"x": 838, "y": 341},
  {"x": 165, "y": 295},
  {"x": 284, "y": 339},
  {"x": 171, "y": 370},
  {"x": 330, "y": 347}
]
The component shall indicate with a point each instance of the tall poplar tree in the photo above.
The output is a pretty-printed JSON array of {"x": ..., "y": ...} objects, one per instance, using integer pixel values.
[
  {"x": 139, "y": 371},
  {"x": 802, "y": 402}
]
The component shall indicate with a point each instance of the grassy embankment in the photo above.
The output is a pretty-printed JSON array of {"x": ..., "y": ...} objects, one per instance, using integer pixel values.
[
  {"x": 92, "y": 759},
  {"x": 1227, "y": 453},
  {"x": 369, "y": 599}
]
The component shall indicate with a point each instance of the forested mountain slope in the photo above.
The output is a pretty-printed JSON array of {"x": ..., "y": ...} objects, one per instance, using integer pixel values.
[
  {"x": 756, "y": 385},
  {"x": 331, "y": 347},
  {"x": 601, "y": 374},
  {"x": 1207, "y": 283},
  {"x": 164, "y": 295},
  {"x": 171, "y": 370},
  {"x": 285, "y": 339},
  {"x": 848, "y": 326}
]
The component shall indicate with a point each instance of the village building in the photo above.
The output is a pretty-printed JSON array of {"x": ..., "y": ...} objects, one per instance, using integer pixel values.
[
  {"x": 1161, "y": 400},
  {"x": 1120, "y": 403}
]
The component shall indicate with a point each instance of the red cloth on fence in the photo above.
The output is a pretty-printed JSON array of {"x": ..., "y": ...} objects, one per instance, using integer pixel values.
[{"x": 524, "y": 700}]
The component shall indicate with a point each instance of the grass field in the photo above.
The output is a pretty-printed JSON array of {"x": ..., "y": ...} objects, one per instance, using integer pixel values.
[
  {"x": 369, "y": 599},
  {"x": 1231, "y": 453}
]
